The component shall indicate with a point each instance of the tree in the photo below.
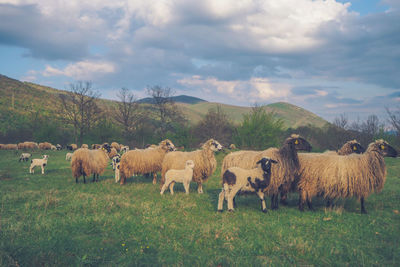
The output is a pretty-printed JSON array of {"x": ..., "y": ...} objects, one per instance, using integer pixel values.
[
  {"x": 79, "y": 108},
  {"x": 217, "y": 125},
  {"x": 394, "y": 119},
  {"x": 165, "y": 110},
  {"x": 342, "y": 121},
  {"x": 127, "y": 113},
  {"x": 259, "y": 130}
]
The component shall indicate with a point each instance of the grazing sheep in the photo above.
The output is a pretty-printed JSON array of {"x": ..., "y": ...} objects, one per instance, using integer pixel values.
[
  {"x": 24, "y": 157},
  {"x": 59, "y": 147},
  {"x": 335, "y": 176},
  {"x": 232, "y": 146},
  {"x": 38, "y": 162},
  {"x": 179, "y": 176},
  {"x": 68, "y": 156},
  {"x": 10, "y": 147},
  {"x": 72, "y": 147},
  {"x": 1, "y": 146},
  {"x": 45, "y": 146},
  {"x": 28, "y": 145},
  {"x": 84, "y": 146},
  {"x": 204, "y": 161},
  {"x": 142, "y": 161},
  {"x": 115, "y": 160},
  {"x": 236, "y": 179},
  {"x": 53, "y": 147},
  {"x": 283, "y": 175},
  {"x": 85, "y": 162},
  {"x": 116, "y": 146}
]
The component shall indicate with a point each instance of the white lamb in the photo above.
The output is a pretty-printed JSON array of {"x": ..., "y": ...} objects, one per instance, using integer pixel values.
[
  {"x": 24, "y": 157},
  {"x": 181, "y": 176},
  {"x": 68, "y": 156},
  {"x": 38, "y": 162}
]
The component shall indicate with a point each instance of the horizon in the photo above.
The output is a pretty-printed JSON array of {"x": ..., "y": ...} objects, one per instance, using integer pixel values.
[{"x": 328, "y": 57}]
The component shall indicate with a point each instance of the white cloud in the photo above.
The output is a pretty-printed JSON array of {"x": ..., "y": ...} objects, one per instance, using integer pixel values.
[{"x": 83, "y": 70}]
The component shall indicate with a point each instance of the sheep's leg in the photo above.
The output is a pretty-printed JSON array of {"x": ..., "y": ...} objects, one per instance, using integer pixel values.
[
  {"x": 221, "y": 198},
  {"x": 309, "y": 204},
  {"x": 260, "y": 194},
  {"x": 231, "y": 196},
  {"x": 363, "y": 210},
  {"x": 234, "y": 201},
  {"x": 84, "y": 179},
  {"x": 164, "y": 187},
  {"x": 94, "y": 177},
  {"x": 76, "y": 180},
  {"x": 302, "y": 199},
  {"x": 171, "y": 187},
  {"x": 284, "y": 199},
  {"x": 329, "y": 203},
  {"x": 154, "y": 177},
  {"x": 199, "y": 187},
  {"x": 30, "y": 169},
  {"x": 42, "y": 169},
  {"x": 186, "y": 185},
  {"x": 274, "y": 201}
]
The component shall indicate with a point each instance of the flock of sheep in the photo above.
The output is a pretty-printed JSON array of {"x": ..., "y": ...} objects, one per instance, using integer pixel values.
[{"x": 350, "y": 172}]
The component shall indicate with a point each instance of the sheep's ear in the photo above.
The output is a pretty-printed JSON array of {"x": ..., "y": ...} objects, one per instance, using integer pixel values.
[
  {"x": 296, "y": 142},
  {"x": 258, "y": 162},
  {"x": 273, "y": 161},
  {"x": 383, "y": 147},
  {"x": 354, "y": 147}
]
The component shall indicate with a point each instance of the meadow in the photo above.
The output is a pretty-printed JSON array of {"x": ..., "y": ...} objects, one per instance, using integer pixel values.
[{"x": 48, "y": 220}]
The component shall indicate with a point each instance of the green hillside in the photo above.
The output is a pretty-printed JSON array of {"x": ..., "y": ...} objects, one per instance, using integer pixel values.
[{"x": 22, "y": 98}]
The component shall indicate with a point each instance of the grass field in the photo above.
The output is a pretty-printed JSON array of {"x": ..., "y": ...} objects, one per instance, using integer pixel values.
[{"x": 48, "y": 220}]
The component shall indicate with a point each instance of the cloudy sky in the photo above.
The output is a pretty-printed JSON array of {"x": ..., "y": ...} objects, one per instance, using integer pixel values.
[{"x": 330, "y": 57}]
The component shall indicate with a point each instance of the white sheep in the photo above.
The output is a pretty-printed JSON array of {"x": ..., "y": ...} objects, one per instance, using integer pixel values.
[
  {"x": 24, "y": 157},
  {"x": 68, "y": 156},
  {"x": 237, "y": 179},
  {"x": 184, "y": 176},
  {"x": 117, "y": 177},
  {"x": 124, "y": 149},
  {"x": 38, "y": 162}
]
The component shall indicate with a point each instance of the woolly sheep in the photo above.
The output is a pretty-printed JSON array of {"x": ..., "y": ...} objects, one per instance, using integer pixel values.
[
  {"x": 68, "y": 156},
  {"x": 232, "y": 146},
  {"x": 96, "y": 146},
  {"x": 184, "y": 176},
  {"x": 285, "y": 172},
  {"x": 72, "y": 147},
  {"x": 45, "y": 146},
  {"x": 10, "y": 147},
  {"x": 24, "y": 157},
  {"x": 204, "y": 161},
  {"x": 116, "y": 146},
  {"x": 335, "y": 176},
  {"x": 53, "y": 147},
  {"x": 142, "y": 161},
  {"x": 236, "y": 179},
  {"x": 85, "y": 162},
  {"x": 84, "y": 146},
  {"x": 38, "y": 162}
]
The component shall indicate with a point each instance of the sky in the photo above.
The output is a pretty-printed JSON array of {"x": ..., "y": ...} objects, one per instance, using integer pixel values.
[{"x": 329, "y": 57}]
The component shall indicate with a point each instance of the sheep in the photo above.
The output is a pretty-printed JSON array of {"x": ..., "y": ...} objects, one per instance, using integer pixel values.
[
  {"x": 115, "y": 160},
  {"x": 24, "y": 157},
  {"x": 10, "y": 147},
  {"x": 283, "y": 175},
  {"x": 232, "y": 146},
  {"x": 335, "y": 176},
  {"x": 45, "y": 146},
  {"x": 59, "y": 147},
  {"x": 85, "y": 162},
  {"x": 236, "y": 179},
  {"x": 117, "y": 176},
  {"x": 28, "y": 145},
  {"x": 179, "y": 176},
  {"x": 204, "y": 161},
  {"x": 96, "y": 146},
  {"x": 116, "y": 146},
  {"x": 53, "y": 147},
  {"x": 113, "y": 153},
  {"x": 38, "y": 162},
  {"x": 124, "y": 149},
  {"x": 84, "y": 146},
  {"x": 72, "y": 147},
  {"x": 142, "y": 161},
  {"x": 68, "y": 156}
]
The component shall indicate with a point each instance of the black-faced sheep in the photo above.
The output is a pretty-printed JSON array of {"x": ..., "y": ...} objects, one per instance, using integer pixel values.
[
  {"x": 236, "y": 179},
  {"x": 283, "y": 174},
  {"x": 24, "y": 157},
  {"x": 72, "y": 147},
  {"x": 335, "y": 176},
  {"x": 38, "y": 162},
  {"x": 184, "y": 176},
  {"x": 85, "y": 162},
  {"x": 142, "y": 161},
  {"x": 204, "y": 162}
]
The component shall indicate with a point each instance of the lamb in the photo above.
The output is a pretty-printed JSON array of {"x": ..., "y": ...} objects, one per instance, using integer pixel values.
[
  {"x": 334, "y": 176},
  {"x": 142, "y": 161},
  {"x": 115, "y": 160},
  {"x": 24, "y": 157},
  {"x": 283, "y": 175},
  {"x": 236, "y": 179},
  {"x": 68, "y": 156},
  {"x": 38, "y": 162},
  {"x": 179, "y": 176},
  {"x": 204, "y": 161},
  {"x": 117, "y": 176},
  {"x": 85, "y": 162}
]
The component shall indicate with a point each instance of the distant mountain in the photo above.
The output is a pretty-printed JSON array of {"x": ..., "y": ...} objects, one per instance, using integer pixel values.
[
  {"x": 23, "y": 98},
  {"x": 179, "y": 99}
]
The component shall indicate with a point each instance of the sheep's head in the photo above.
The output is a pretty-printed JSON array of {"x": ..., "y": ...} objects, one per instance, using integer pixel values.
[
  {"x": 355, "y": 146},
  {"x": 167, "y": 145},
  {"x": 106, "y": 147},
  {"x": 298, "y": 142},
  {"x": 383, "y": 148},
  {"x": 45, "y": 156},
  {"x": 214, "y": 145},
  {"x": 190, "y": 164},
  {"x": 266, "y": 164}
]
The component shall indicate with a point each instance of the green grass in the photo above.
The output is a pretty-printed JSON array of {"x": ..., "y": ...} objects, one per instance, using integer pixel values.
[{"x": 51, "y": 221}]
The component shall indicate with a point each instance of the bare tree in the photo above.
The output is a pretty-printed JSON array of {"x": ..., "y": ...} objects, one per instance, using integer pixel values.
[
  {"x": 79, "y": 108},
  {"x": 342, "y": 121},
  {"x": 394, "y": 119},
  {"x": 127, "y": 112},
  {"x": 165, "y": 110}
]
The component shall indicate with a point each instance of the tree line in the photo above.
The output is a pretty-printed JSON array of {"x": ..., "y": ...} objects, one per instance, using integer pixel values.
[{"x": 83, "y": 118}]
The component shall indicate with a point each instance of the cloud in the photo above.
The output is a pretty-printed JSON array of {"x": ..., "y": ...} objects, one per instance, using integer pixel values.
[{"x": 83, "y": 70}]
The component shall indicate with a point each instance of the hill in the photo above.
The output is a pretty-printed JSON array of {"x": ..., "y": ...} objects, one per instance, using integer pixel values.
[
  {"x": 22, "y": 98},
  {"x": 178, "y": 99}
]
